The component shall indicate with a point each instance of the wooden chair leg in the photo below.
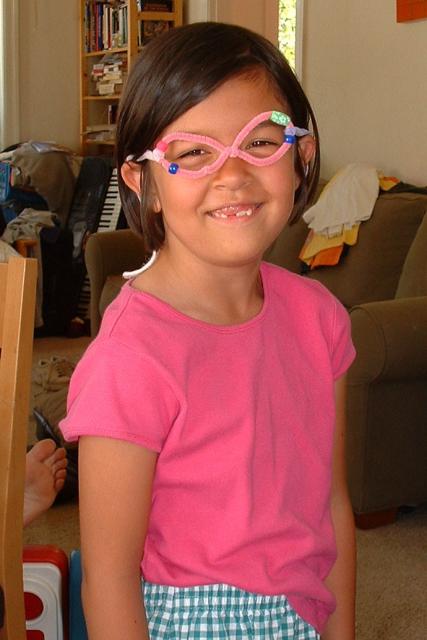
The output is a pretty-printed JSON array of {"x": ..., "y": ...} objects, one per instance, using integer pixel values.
[{"x": 375, "y": 519}]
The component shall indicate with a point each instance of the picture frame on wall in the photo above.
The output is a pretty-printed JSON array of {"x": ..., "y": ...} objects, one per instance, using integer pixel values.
[{"x": 409, "y": 10}]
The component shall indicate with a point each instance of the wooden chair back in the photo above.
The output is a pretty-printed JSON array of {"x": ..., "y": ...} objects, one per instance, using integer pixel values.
[{"x": 17, "y": 304}]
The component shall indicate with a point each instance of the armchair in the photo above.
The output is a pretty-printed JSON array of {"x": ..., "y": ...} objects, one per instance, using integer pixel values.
[
  {"x": 383, "y": 283},
  {"x": 107, "y": 255},
  {"x": 387, "y": 396}
]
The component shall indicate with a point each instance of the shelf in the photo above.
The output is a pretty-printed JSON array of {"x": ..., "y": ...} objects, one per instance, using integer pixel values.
[
  {"x": 104, "y": 52},
  {"x": 115, "y": 96},
  {"x": 156, "y": 15},
  {"x": 107, "y": 143}
]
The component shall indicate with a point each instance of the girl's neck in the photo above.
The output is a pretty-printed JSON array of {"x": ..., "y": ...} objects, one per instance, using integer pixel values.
[{"x": 215, "y": 294}]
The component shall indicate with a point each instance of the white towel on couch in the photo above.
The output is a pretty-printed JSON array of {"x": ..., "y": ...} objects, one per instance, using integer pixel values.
[{"x": 347, "y": 200}]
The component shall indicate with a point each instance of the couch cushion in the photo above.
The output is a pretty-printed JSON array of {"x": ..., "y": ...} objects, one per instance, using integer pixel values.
[
  {"x": 370, "y": 270},
  {"x": 413, "y": 280},
  {"x": 285, "y": 251}
]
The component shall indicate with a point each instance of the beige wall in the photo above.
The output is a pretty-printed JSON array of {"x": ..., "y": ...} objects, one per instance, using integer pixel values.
[
  {"x": 49, "y": 70},
  {"x": 366, "y": 76}
]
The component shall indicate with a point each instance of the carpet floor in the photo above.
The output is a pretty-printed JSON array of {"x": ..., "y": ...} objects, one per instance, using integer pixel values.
[{"x": 392, "y": 560}]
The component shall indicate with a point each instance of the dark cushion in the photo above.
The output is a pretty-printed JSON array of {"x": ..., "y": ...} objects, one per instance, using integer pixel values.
[
  {"x": 370, "y": 270},
  {"x": 413, "y": 280},
  {"x": 285, "y": 251}
]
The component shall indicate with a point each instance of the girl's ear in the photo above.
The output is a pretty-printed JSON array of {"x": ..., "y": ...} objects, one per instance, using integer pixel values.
[
  {"x": 132, "y": 176},
  {"x": 306, "y": 149},
  {"x": 157, "y": 207}
]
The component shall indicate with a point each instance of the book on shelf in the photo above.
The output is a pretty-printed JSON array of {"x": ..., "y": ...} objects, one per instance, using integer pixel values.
[
  {"x": 97, "y": 128},
  {"x": 112, "y": 113},
  {"x": 149, "y": 29},
  {"x": 166, "y": 5},
  {"x": 109, "y": 74},
  {"x": 100, "y": 133},
  {"x": 108, "y": 88},
  {"x": 105, "y": 25},
  {"x": 100, "y": 136}
]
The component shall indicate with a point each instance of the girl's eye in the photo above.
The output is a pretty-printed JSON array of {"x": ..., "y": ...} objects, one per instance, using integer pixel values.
[
  {"x": 262, "y": 143},
  {"x": 193, "y": 157},
  {"x": 192, "y": 153},
  {"x": 262, "y": 147}
]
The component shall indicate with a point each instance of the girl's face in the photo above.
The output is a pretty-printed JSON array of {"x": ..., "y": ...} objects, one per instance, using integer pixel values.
[{"x": 230, "y": 217}]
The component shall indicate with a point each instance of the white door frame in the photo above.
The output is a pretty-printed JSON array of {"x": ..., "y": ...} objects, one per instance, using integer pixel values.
[
  {"x": 9, "y": 73},
  {"x": 201, "y": 10},
  {"x": 299, "y": 33}
]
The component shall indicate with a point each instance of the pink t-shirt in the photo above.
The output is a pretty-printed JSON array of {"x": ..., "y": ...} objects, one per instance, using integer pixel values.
[{"x": 242, "y": 417}]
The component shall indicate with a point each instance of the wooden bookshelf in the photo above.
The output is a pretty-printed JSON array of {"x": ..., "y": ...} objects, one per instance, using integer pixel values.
[{"x": 112, "y": 34}]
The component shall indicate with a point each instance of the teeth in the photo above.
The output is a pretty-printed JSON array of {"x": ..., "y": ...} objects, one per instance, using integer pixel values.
[{"x": 238, "y": 214}]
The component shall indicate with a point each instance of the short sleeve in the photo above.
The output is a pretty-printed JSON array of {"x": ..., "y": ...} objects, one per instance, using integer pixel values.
[
  {"x": 342, "y": 348},
  {"x": 116, "y": 392}
]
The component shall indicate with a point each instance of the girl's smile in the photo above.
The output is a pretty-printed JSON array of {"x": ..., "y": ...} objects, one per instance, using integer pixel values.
[{"x": 235, "y": 213}]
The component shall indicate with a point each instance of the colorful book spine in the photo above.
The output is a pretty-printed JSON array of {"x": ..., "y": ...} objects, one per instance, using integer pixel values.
[
  {"x": 105, "y": 25},
  {"x": 160, "y": 5}
]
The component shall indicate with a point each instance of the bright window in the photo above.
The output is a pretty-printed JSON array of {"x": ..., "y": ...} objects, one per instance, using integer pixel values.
[
  {"x": 287, "y": 25},
  {"x": 290, "y": 32}
]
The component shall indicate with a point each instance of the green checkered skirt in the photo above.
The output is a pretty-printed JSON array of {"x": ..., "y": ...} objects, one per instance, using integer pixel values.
[{"x": 220, "y": 612}]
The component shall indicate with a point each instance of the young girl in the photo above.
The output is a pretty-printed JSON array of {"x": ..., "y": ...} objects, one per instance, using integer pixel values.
[{"x": 210, "y": 408}]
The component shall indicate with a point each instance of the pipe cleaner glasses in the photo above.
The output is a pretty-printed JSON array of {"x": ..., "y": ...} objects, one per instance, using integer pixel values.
[{"x": 263, "y": 141}]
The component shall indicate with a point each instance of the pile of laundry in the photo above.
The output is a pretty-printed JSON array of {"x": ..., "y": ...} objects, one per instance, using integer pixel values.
[
  {"x": 345, "y": 202},
  {"x": 38, "y": 175},
  {"x": 37, "y": 182}
]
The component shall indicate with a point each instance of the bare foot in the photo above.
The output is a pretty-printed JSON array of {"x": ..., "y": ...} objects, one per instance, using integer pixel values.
[{"x": 45, "y": 472}]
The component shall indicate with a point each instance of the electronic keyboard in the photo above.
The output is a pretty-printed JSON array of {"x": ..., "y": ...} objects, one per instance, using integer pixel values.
[{"x": 96, "y": 207}]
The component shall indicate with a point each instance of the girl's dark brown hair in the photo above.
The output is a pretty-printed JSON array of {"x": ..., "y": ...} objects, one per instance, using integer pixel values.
[{"x": 176, "y": 71}]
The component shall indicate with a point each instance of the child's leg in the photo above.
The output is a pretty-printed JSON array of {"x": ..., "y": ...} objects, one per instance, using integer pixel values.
[
  {"x": 218, "y": 611},
  {"x": 45, "y": 472}
]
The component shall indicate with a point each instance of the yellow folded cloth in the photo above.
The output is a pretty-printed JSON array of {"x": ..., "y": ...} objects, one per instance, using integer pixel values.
[
  {"x": 387, "y": 182},
  {"x": 331, "y": 248}
]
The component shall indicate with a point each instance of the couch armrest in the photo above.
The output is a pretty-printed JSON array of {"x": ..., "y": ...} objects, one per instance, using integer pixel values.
[
  {"x": 109, "y": 253},
  {"x": 390, "y": 339}
]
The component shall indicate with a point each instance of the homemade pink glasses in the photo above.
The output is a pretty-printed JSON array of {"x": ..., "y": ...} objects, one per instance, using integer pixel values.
[{"x": 263, "y": 141}]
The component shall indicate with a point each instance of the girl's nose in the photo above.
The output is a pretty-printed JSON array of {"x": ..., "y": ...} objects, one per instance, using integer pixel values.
[{"x": 234, "y": 174}]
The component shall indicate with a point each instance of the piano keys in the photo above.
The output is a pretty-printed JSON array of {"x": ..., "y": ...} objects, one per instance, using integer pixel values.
[
  {"x": 112, "y": 206},
  {"x": 96, "y": 207}
]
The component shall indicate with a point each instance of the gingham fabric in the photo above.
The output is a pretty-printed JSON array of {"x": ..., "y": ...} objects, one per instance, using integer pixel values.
[{"x": 220, "y": 612}]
